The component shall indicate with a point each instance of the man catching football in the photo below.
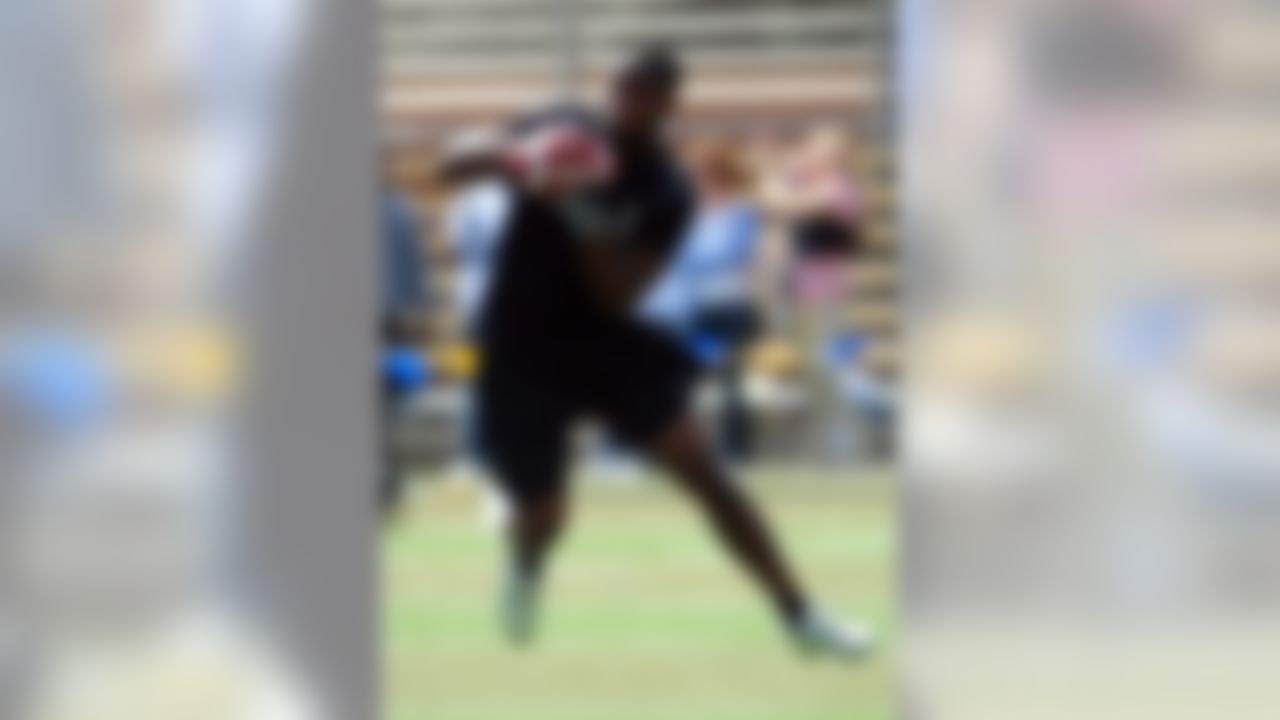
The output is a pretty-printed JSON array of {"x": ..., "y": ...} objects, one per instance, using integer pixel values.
[{"x": 599, "y": 205}]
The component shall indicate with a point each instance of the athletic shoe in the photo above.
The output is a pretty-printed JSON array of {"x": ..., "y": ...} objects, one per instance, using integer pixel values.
[
  {"x": 816, "y": 633},
  {"x": 519, "y": 606}
]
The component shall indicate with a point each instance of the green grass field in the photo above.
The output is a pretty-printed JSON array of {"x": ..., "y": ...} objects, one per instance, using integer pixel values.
[{"x": 644, "y": 619}]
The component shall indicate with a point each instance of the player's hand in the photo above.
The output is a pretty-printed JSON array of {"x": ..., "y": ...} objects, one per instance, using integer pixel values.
[{"x": 559, "y": 160}]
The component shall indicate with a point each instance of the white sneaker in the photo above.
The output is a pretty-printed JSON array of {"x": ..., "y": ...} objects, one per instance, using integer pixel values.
[
  {"x": 519, "y": 606},
  {"x": 816, "y": 633}
]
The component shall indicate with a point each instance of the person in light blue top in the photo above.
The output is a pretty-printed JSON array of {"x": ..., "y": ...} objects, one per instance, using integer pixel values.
[
  {"x": 404, "y": 284},
  {"x": 404, "y": 300},
  {"x": 706, "y": 295},
  {"x": 713, "y": 269}
]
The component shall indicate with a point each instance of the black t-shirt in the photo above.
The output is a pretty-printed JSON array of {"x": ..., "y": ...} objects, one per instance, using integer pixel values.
[{"x": 539, "y": 299}]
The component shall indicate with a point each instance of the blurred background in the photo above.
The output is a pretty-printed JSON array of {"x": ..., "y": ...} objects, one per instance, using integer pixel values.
[
  {"x": 785, "y": 126},
  {"x": 1072, "y": 320},
  {"x": 1090, "y": 466},
  {"x": 166, "y": 194}
]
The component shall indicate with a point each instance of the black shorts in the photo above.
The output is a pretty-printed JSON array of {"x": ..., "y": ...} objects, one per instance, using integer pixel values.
[{"x": 637, "y": 382}]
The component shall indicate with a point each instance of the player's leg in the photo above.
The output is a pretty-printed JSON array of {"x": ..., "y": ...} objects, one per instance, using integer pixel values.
[
  {"x": 536, "y": 525},
  {"x": 524, "y": 425},
  {"x": 534, "y": 528},
  {"x": 643, "y": 390},
  {"x": 682, "y": 449}
]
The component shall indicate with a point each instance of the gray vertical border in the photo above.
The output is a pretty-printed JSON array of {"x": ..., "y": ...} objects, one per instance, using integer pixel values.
[
  {"x": 310, "y": 528},
  {"x": 906, "y": 77}
]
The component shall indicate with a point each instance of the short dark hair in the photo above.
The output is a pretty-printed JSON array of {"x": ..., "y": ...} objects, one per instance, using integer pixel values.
[{"x": 652, "y": 66}]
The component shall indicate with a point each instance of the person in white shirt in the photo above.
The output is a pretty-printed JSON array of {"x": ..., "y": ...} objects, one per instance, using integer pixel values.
[{"x": 475, "y": 223}]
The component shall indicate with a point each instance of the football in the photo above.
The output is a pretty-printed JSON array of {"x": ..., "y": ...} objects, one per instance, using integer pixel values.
[{"x": 560, "y": 158}]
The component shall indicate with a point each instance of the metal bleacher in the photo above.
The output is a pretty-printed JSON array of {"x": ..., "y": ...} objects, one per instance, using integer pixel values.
[{"x": 453, "y": 61}]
